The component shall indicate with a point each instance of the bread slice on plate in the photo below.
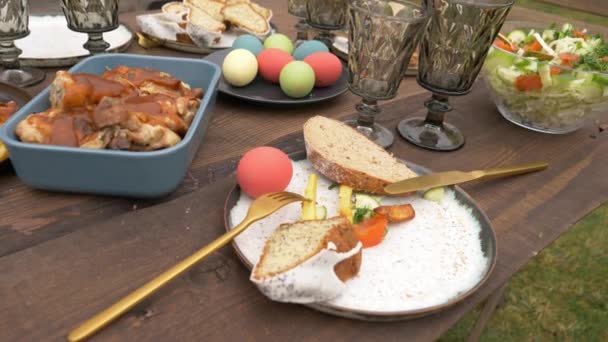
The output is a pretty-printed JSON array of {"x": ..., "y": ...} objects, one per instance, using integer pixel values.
[
  {"x": 292, "y": 244},
  {"x": 347, "y": 157},
  {"x": 213, "y": 8},
  {"x": 204, "y": 20},
  {"x": 245, "y": 17}
]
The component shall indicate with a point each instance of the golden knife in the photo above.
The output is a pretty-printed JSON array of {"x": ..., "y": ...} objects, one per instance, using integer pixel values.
[{"x": 434, "y": 180}]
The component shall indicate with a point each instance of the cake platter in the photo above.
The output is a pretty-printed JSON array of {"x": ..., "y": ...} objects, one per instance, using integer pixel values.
[
  {"x": 226, "y": 42},
  {"x": 398, "y": 307}
]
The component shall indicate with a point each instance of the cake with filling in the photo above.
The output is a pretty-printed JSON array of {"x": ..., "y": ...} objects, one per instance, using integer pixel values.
[{"x": 308, "y": 261}]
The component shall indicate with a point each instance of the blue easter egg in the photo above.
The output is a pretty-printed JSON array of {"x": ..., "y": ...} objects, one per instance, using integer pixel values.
[
  {"x": 308, "y": 48},
  {"x": 248, "y": 42}
]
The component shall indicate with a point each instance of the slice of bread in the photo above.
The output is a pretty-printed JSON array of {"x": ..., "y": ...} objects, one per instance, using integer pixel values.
[
  {"x": 213, "y": 8},
  {"x": 245, "y": 17},
  {"x": 347, "y": 157},
  {"x": 202, "y": 19},
  {"x": 292, "y": 244}
]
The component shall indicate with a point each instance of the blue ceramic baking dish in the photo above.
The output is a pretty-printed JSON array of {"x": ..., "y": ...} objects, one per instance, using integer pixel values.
[{"x": 110, "y": 172}]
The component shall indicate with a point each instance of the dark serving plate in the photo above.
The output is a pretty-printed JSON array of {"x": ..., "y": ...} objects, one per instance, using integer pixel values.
[
  {"x": 261, "y": 91},
  {"x": 488, "y": 247}
]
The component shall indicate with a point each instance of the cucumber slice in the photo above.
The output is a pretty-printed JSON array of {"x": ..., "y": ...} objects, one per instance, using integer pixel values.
[
  {"x": 531, "y": 67},
  {"x": 548, "y": 35},
  {"x": 590, "y": 92},
  {"x": 321, "y": 212},
  {"x": 517, "y": 36},
  {"x": 508, "y": 75},
  {"x": 530, "y": 37},
  {"x": 567, "y": 27},
  {"x": 498, "y": 58},
  {"x": 434, "y": 194},
  {"x": 601, "y": 79},
  {"x": 365, "y": 201},
  {"x": 562, "y": 81},
  {"x": 544, "y": 70},
  {"x": 587, "y": 76}
]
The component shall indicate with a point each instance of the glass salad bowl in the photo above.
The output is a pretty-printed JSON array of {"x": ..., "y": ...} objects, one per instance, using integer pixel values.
[{"x": 554, "y": 90}]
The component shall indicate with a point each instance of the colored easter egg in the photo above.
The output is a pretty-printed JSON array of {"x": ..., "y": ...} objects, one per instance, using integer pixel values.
[
  {"x": 297, "y": 79},
  {"x": 239, "y": 67},
  {"x": 327, "y": 68}
]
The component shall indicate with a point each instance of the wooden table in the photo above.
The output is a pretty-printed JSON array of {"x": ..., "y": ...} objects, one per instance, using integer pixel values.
[{"x": 64, "y": 257}]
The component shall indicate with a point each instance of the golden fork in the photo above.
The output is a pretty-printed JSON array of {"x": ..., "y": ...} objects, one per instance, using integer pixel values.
[{"x": 260, "y": 208}]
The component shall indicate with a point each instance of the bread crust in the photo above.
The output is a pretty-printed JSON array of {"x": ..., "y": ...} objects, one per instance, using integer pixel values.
[
  {"x": 342, "y": 235},
  {"x": 357, "y": 180}
]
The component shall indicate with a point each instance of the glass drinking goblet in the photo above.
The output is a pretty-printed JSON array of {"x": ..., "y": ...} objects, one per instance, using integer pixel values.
[
  {"x": 14, "y": 15},
  {"x": 93, "y": 17},
  {"x": 382, "y": 37},
  {"x": 297, "y": 8},
  {"x": 326, "y": 16},
  {"x": 452, "y": 52}
]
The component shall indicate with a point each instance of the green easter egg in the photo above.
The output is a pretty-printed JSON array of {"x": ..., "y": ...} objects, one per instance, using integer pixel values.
[
  {"x": 297, "y": 79},
  {"x": 279, "y": 41}
]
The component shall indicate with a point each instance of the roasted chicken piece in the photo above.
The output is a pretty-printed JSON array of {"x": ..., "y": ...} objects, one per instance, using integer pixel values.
[
  {"x": 125, "y": 108},
  {"x": 56, "y": 127},
  {"x": 150, "y": 82},
  {"x": 6, "y": 110},
  {"x": 81, "y": 90},
  {"x": 154, "y": 82}
]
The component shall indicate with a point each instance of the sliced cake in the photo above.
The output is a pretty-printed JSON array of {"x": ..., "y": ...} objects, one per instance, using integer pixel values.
[
  {"x": 347, "y": 157},
  {"x": 244, "y": 16},
  {"x": 202, "y": 19},
  {"x": 213, "y": 8},
  {"x": 308, "y": 261}
]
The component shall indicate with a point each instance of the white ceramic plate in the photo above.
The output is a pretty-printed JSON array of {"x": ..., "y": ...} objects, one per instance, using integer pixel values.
[
  {"x": 52, "y": 44},
  {"x": 421, "y": 267}
]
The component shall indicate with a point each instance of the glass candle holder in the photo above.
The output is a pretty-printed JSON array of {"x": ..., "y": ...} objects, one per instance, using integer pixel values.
[
  {"x": 93, "y": 17},
  {"x": 452, "y": 53},
  {"x": 326, "y": 16},
  {"x": 14, "y": 15},
  {"x": 297, "y": 8},
  {"x": 382, "y": 37}
]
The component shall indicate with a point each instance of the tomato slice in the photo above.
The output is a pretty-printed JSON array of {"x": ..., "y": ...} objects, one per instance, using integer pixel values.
[
  {"x": 579, "y": 34},
  {"x": 569, "y": 59},
  {"x": 534, "y": 46},
  {"x": 555, "y": 70},
  {"x": 371, "y": 231},
  {"x": 501, "y": 44},
  {"x": 528, "y": 82}
]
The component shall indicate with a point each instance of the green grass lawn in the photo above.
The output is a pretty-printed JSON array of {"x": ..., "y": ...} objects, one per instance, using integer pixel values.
[{"x": 561, "y": 295}]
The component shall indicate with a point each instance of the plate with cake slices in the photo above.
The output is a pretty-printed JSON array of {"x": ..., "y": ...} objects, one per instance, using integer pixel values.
[
  {"x": 204, "y": 26},
  {"x": 353, "y": 251}
]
